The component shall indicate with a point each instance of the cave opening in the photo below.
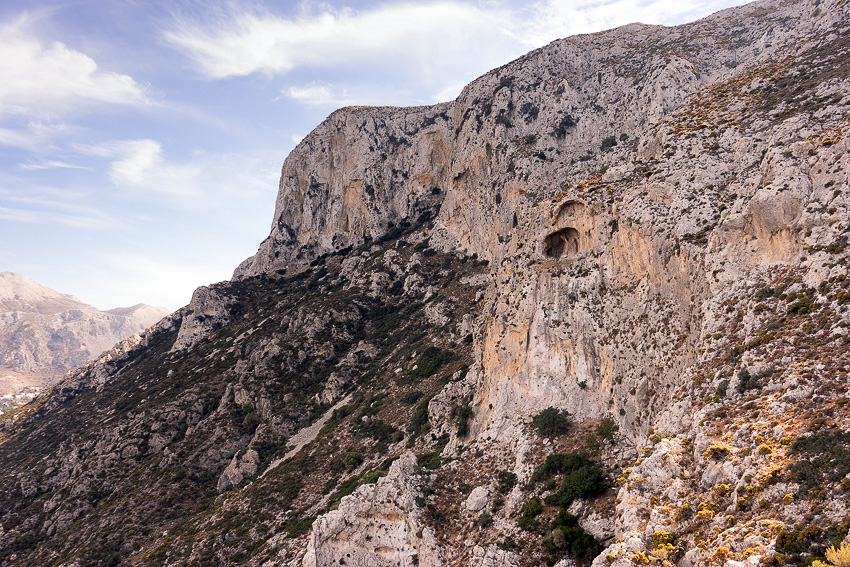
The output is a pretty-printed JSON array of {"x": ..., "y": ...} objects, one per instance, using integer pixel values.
[{"x": 562, "y": 242}]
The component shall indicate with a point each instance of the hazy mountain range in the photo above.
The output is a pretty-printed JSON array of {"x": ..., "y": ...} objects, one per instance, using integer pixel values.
[{"x": 45, "y": 333}]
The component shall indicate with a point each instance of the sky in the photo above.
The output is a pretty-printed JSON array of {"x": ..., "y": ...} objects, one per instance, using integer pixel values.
[{"x": 141, "y": 141}]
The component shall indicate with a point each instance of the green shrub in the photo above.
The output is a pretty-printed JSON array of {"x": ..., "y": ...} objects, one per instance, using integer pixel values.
[
  {"x": 584, "y": 482},
  {"x": 608, "y": 143},
  {"x": 607, "y": 427},
  {"x": 746, "y": 381},
  {"x": 802, "y": 306},
  {"x": 552, "y": 422},
  {"x": 462, "y": 413},
  {"x": 380, "y": 431},
  {"x": 825, "y": 458},
  {"x": 484, "y": 520},
  {"x": 569, "y": 538},
  {"x": 430, "y": 361},
  {"x": 346, "y": 488},
  {"x": 557, "y": 464},
  {"x": 430, "y": 460},
  {"x": 372, "y": 477},
  {"x": 352, "y": 460},
  {"x": 251, "y": 421},
  {"x": 527, "y": 520},
  {"x": 412, "y": 397},
  {"x": 581, "y": 478},
  {"x": 765, "y": 292},
  {"x": 419, "y": 421},
  {"x": 297, "y": 527}
]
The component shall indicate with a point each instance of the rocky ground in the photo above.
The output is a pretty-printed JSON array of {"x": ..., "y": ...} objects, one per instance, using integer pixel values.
[{"x": 595, "y": 310}]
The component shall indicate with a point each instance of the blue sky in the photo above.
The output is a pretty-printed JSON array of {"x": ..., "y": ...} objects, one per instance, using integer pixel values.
[{"x": 141, "y": 142}]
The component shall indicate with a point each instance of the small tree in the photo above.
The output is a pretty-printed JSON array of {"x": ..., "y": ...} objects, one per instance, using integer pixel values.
[
  {"x": 552, "y": 422},
  {"x": 608, "y": 143},
  {"x": 607, "y": 427}
]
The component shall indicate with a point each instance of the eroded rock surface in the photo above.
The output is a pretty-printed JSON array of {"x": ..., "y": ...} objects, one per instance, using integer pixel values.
[{"x": 646, "y": 228}]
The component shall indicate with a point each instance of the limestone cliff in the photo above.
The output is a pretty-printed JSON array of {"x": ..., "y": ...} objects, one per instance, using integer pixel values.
[
  {"x": 595, "y": 310},
  {"x": 582, "y": 172}
]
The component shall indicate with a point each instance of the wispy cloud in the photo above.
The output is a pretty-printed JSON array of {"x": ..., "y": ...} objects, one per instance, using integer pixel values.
[
  {"x": 548, "y": 20},
  {"x": 44, "y": 82},
  {"x": 422, "y": 41},
  {"x": 317, "y": 94},
  {"x": 142, "y": 168},
  {"x": 90, "y": 221},
  {"x": 49, "y": 78},
  {"x": 40, "y": 165},
  {"x": 437, "y": 46},
  {"x": 50, "y": 207},
  {"x": 141, "y": 163},
  {"x": 31, "y": 134}
]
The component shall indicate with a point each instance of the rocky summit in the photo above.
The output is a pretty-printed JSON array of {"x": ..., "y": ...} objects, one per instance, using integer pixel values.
[{"x": 593, "y": 312}]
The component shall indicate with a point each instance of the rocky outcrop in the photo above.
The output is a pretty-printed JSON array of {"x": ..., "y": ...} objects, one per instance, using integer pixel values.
[
  {"x": 595, "y": 310},
  {"x": 377, "y": 526}
]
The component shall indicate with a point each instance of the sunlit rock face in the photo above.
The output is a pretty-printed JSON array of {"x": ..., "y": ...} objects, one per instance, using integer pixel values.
[
  {"x": 646, "y": 228},
  {"x": 619, "y": 183}
]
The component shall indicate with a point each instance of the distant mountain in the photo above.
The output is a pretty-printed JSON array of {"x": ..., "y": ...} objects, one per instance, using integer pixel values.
[{"x": 44, "y": 333}]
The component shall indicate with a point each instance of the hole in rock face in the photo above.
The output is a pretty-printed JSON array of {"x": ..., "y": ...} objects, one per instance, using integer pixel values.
[{"x": 565, "y": 241}]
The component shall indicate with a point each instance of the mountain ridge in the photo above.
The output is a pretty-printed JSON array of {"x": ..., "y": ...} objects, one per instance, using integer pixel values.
[
  {"x": 47, "y": 333},
  {"x": 594, "y": 311}
]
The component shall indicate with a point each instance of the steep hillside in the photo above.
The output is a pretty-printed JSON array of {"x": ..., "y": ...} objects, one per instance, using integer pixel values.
[
  {"x": 593, "y": 310},
  {"x": 44, "y": 333}
]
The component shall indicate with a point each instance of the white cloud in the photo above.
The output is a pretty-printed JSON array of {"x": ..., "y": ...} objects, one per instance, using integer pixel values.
[
  {"x": 549, "y": 20},
  {"x": 85, "y": 218},
  {"x": 316, "y": 94},
  {"x": 428, "y": 37},
  {"x": 140, "y": 166},
  {"x": 33, "y": 135},
  {"x": 47, "y": 79},
  {"x": 140, "y": 160},
  {"x": 49, "y": 164},
  {"x": 43, "y": 82},
  {"x": 50, "y": 207},
  {"x": 435, "y": 47},
  {"x": 142, "y": 169}
]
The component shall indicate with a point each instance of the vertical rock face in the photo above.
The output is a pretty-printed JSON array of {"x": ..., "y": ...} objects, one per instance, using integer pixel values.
[
  {"x": 645, "y": 227},
  {"x": 565, "y": 169},
  {"x": 361, "y": 171}
]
